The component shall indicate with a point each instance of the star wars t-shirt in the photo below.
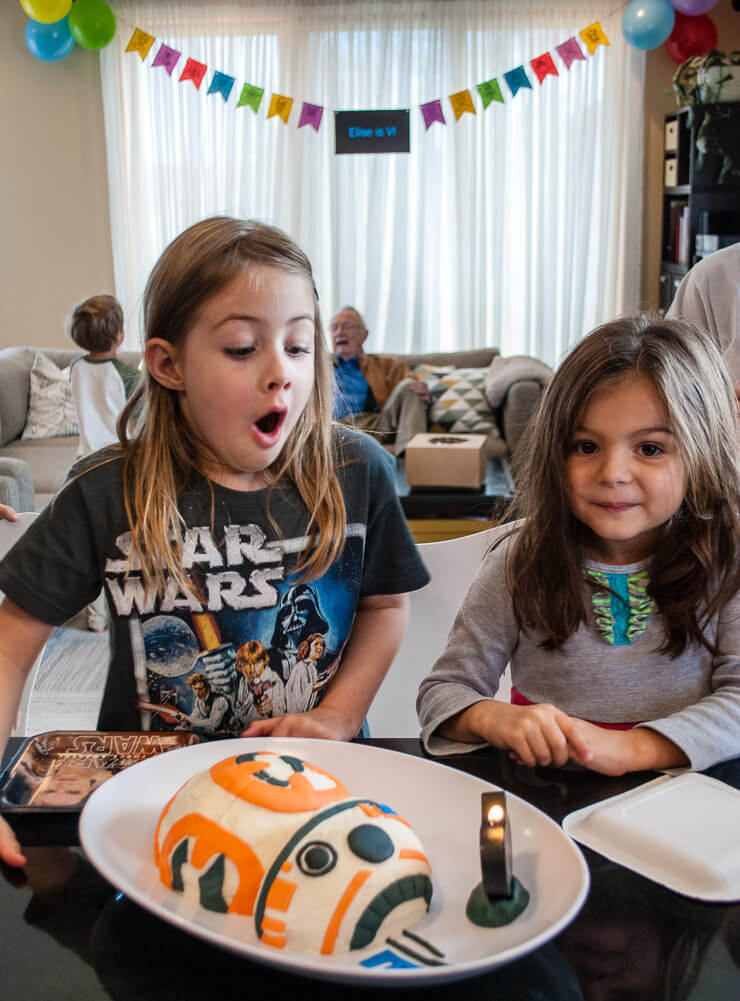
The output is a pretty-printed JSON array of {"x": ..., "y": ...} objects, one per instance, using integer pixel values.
[{"x": 252, "y": 640}]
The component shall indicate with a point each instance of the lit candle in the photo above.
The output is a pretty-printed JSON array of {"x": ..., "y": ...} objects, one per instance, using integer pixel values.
[{"x": 495, "y": 845}]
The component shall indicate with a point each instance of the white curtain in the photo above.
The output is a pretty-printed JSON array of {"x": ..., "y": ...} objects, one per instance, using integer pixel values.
[{"x": 518, "y": 226}]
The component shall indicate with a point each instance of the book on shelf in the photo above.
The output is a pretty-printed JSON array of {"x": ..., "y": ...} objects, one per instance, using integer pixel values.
[
  {"x": 677, "y": 210},
  {"x": 682, "y": 256}
]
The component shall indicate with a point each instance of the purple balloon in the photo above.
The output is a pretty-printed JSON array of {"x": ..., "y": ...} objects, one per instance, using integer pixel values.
[{"x": 692, "y": 8}]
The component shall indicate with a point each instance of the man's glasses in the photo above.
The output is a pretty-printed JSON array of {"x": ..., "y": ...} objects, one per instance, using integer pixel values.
[{"x": 347, "y": 325}]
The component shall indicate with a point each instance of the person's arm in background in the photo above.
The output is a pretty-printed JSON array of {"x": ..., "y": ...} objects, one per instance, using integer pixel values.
[
  {"x": 7, "y": 513},
  {"x": 693, "y": 303}
]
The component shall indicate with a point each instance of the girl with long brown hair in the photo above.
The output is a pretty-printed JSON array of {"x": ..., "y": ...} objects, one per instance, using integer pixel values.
[
  {"x": 615, "y": 599},
  {"x": 232, "y": 511}
]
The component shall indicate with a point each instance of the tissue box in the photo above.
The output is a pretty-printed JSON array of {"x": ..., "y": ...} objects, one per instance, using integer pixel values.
[{"x": 446, "y": 460}]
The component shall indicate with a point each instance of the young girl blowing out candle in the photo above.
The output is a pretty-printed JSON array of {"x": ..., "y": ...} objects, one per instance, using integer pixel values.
[
  {"x": 615, "y": 599},
  {"x": 233, "y": 515}
]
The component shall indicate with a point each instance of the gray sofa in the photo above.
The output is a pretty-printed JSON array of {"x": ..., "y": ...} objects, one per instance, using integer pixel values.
[
  {"x": 32, "y": 471},
  {"x": 519, "y": 402}
]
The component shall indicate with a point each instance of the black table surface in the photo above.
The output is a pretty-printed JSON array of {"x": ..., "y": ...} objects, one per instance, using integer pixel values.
[{"x": 65, "y": 933}]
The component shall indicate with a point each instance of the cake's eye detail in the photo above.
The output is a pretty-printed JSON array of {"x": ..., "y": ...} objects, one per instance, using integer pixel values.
[
  {"x": 316, "y": 858},
  {"x": 370, "y": 843}
]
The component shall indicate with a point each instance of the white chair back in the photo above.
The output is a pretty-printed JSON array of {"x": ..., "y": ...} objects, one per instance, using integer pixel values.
[
  {"x": 10, "y": 532},
  {"x": 452, "y": 564}
]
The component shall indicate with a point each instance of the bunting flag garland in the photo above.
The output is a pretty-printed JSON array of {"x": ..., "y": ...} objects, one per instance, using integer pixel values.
[
  {"x": 461, "y": 102},
  {"x": 517, "y": 80},
  {"x": 166, "y": 57},
  {"x": 569, "y": 52},
  {"x": 490, "y": 91},
  {"x": 544, "y": 66},
  {"x": 432, "y": 112},
  {"x": 221, "y": 84},
  {"x": 194, "y": 71},
  {"x": 594, "y": 36},
  {"x": 250, "y": 96},
  {"x": 311, "y": 115},
  {"x": 140, "y": 42},
  {"x": 280, "y": 106}
]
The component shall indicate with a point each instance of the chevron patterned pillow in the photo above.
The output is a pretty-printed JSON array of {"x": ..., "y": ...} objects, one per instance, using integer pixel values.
[{"x": 458, "y": 402}]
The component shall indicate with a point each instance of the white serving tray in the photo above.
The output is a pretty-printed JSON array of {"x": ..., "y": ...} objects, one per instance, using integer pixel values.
[
  {"x": 682, "y": 831},
  {"x": 442, "y": 804}
]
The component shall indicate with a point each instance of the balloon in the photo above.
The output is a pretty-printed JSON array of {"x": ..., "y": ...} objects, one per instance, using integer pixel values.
[
  {"x": 647, "y": 23},
  {"x": 691, "y": 36},
  {"x": 92, "y": 23},
  {"x": 693, "y": 7},
  {"x": 49, "y": 42},
  {"x": 46, "y": 11}
]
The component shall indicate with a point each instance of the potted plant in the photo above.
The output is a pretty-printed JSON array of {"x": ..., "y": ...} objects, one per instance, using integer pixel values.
[
  {"x": 710, "y": 80},
  {"x": 713, "y": 78}
]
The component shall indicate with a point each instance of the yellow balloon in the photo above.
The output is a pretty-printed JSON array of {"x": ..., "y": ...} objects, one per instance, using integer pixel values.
[{"x": 47, "y": 11}]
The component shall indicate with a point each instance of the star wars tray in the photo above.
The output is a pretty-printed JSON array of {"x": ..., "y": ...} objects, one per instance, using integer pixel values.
[{"x": 52, "y": 775}]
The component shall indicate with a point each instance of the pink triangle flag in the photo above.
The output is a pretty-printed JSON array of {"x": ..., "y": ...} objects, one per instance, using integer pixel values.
[{"x": 569, "y": 52}]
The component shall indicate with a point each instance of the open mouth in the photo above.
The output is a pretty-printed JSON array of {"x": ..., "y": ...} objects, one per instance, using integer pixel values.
[
  {"x": 406, "y": 888},
  {"x": 269, "y": 423}
]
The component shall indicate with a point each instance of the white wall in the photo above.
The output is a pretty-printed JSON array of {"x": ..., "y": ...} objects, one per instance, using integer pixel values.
[{"x": 55, "y": 244}]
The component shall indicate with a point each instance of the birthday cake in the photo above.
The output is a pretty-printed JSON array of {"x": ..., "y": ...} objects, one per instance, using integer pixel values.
[{"x": 279, "y": 839}]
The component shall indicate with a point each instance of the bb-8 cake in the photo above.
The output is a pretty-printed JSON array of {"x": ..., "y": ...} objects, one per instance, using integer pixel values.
[{"x": 269, "y": 835}]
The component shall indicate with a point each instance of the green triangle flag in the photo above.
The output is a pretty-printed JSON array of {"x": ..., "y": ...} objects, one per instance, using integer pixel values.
[
  {"x": 251, "y": 96},
  {"x": 490, "y": 91}
]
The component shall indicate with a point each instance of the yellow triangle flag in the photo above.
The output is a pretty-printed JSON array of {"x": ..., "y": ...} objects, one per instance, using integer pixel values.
[
  {"x": 140, "y": 42},
  {"x": 280, "y": 106},
  {"x": 462, "y": 102},
  {"x": 594, "y": 36}
]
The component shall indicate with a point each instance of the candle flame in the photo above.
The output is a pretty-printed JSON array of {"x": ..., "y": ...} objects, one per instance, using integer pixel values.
[{"x": 495, "y": 814}]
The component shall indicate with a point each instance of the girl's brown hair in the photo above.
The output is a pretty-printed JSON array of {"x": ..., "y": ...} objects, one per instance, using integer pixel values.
[
  {"x": 164, "y": 451},
  {"x": 694, "y": 570}
]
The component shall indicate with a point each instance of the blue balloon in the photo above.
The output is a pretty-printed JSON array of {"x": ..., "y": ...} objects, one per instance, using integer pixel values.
[
  {"x": 646, "y": 24},
  {"x": 49, "y": 42}
]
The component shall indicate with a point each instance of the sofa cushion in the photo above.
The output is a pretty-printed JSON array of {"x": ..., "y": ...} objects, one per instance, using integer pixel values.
[
  {"x": 51, "y": 408},
  {"x": 49, "y": 459},
  {"x": 458, "y": 403},
  {"x": 15, "y": 366},
  {"x": 505, "y": 372}
]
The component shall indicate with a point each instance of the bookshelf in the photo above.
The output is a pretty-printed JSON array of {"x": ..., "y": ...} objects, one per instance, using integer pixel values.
[{"x": 699, "y": 212}]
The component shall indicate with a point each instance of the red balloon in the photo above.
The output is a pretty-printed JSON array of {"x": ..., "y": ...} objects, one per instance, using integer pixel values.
[{"x": 691, "y": 36}]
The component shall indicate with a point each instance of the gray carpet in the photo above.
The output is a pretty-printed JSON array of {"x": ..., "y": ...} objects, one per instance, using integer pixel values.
[{"x": 69, "y": 684}]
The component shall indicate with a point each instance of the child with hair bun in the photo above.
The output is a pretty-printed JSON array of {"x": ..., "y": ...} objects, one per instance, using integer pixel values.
[
  {"x": 208, "y": 520},
  {"x": 101, "y": 382},
  {"x": 615, "y": 599}
]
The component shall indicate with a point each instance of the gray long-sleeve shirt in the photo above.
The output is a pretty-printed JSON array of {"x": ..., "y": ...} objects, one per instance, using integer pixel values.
[{"x": 608, "y": 671}]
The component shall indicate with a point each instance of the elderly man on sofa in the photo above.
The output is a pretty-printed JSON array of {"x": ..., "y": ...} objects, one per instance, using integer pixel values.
[{"x": 375, "y": 393}]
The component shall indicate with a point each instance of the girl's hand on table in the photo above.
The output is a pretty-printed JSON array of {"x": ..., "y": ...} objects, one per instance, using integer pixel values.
[
  {"x": 322, "y": 723},
  {"x": 10, "y": 850},
  {"x": 534, "y": 735},
  {"x": 640, "y": 749}
]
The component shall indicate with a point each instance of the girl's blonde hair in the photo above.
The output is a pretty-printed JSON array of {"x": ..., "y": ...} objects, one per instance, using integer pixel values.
[
  {"x": 164, "y": 451},
  {"x": 694, "y": 570}
]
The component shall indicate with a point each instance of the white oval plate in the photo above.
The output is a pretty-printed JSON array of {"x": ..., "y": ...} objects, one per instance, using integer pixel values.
[{"x": 443, "y": 806}]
